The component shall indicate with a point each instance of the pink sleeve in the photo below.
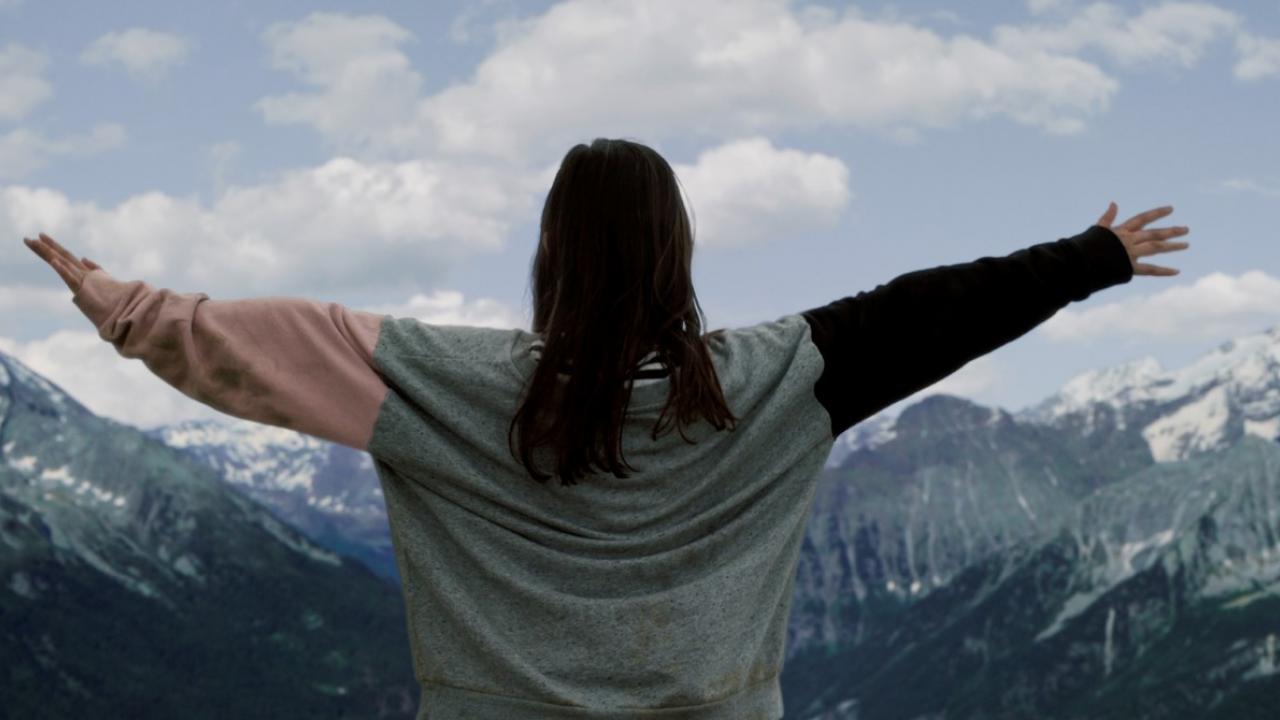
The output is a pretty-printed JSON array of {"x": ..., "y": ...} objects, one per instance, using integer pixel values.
[{"x": 294, "y": 363}]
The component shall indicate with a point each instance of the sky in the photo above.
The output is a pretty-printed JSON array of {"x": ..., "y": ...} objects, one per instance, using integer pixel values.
[{"x": 394, "y": 157}]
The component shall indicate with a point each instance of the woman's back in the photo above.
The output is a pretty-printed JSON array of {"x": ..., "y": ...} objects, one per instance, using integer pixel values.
[{"x": 666, "y": 589}]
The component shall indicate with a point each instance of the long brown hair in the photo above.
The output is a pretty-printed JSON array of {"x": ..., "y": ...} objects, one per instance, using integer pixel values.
[{"x": 612, "y": 282}]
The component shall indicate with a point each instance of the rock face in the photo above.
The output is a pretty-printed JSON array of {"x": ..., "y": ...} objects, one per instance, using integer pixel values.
[
  {"x": 956, "y": 483},
  {"x": 1155, "y": 597},
  {"x": 135, "y": 582}
]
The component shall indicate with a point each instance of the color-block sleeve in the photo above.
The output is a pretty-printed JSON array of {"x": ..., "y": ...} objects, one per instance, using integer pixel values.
[
  {"x": 289, "y": 362},
  {"x": 882, "y": 345}
]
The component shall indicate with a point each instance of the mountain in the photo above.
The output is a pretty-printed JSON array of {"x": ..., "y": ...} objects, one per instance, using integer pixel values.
[
  {"x": 1210, "y": 404},
  {"x": 917, "y": 497},
  {"x": 934, "y": 516},
  {"x": 327, "y": 490},
  {"x": 1155, "y": 597},
  {"x": 875, "y": 430},
  {"x": 134, "y": 582},
  {"x": 957, "y": 482}
]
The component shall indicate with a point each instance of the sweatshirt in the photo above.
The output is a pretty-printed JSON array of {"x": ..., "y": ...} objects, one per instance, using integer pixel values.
[{"x": 663, "y": 595}]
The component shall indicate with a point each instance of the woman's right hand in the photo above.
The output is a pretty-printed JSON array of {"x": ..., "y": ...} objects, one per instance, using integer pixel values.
[{"x": 1140, "y": 242}]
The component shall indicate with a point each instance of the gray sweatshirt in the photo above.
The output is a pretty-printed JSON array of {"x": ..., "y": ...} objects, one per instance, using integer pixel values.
[{"x": 666, "y": 594}]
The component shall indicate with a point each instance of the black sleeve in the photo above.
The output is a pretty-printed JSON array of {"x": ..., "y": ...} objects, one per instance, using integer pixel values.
[{"x": 882, "y": 345}]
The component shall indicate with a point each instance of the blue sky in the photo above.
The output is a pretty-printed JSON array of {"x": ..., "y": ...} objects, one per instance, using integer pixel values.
[{"x": 393, "y": 156}]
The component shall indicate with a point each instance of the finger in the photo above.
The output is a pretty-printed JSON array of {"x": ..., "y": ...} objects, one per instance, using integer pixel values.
[
  {"x": 60, "y": 250},
  {"x": 39, "y": 248},
  {"x": 1155, "y": 248},
  {"x": 1137, "y": 221},
  {"x": 1156, "y": 234},
  {"x": 67, "y": 274},
  {"x": 1108, "y": 216},
  {"x": 1148, "y": 269},
  {"x": 90, "y": 264}
]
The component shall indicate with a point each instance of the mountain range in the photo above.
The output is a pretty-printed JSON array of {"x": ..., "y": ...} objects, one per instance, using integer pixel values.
[
  {"x": 1111, "y": 551},
  {"x": 1108, "y": 552}
]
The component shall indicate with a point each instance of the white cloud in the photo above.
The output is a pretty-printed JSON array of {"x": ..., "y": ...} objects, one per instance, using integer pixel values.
[
  {"x": 1041, "y": 7},
  {"x": 1214, "y": 306},
  {"x": 475, "y": 13},
  {"x": 668, "y": 68},
  {"x": 365, "y": 83},
  {"x": 147, "y": 55},
  {"x": 1253, "y": 186},
  {"x": 22, "y": 83},
  {"x": 748, "y": 191},
  {"x": 32, "y": 299},
  {"x": 1259, "y": 57},
  {"x": 23, "y": 151},
  {"x": 742, "y": 67},
  {"x": 222, "y": 158},
  {"x": 343, "y": 224},
  {"x": 447, "y": 307},
  {"x": 976, "y": 377},
  {"x": 392, "y": 227},
  {"x": 1171, "y": 32}
]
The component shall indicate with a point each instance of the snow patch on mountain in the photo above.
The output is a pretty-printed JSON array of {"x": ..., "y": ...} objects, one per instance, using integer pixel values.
[
  {"x": 1266, "y": 660},
  {"x": 26, "y": 463},
  {"x": 328, "y": 502},
  {"x": 1248, "y": 362},
  {"x": 1268, "y": 429},
  {"x": 1073, "y": 606},
  {"x": 1202, "y": 406},
  {"x": 1134, "y": 381},
  {"x": 252, "y": 454},
  {"x": 1130, "y": 550},
  {"x": 869, "y": 433},
  {"x": 248, "y": 436},
  {"x": 1198, "y": 426},
  {"x": 297, "y": 543},
  {"x": 89, "y": 491},
  {"x": 21, "y": 585}
]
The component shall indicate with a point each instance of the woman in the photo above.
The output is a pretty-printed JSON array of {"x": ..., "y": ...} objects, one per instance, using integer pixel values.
[{"x": 667, "y": 588}]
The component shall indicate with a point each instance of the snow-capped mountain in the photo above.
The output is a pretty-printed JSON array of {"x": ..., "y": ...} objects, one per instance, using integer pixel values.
[
  {"x": 134, "y": 582},
  {"x": 327, "y": 490},
  {"x": 919, "y": 497},
  {"x": 1232, "y": 390},
  {"x": 1112, "y": 551},
  {"x": 1224, "y": 394},
  {"x": 875, "y": 430}
]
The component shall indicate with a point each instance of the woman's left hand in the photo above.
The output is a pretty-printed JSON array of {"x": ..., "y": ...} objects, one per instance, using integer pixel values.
[{"x": 71, "y": 269}]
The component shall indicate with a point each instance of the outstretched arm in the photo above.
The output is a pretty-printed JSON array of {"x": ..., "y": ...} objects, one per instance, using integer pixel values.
[
  {"x": 884, "y": 344},
  {"x": 289, "y": 362}
]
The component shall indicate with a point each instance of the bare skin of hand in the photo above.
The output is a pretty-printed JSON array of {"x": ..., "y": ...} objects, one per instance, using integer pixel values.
[
  {"x": 1140, "y": 242},
  {"x": 70, "y": 268}
]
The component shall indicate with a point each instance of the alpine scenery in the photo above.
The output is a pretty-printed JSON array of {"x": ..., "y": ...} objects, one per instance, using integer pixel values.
[
  {"x": 1119, "y": 537},
  {"x": 273, "y": 274}
]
